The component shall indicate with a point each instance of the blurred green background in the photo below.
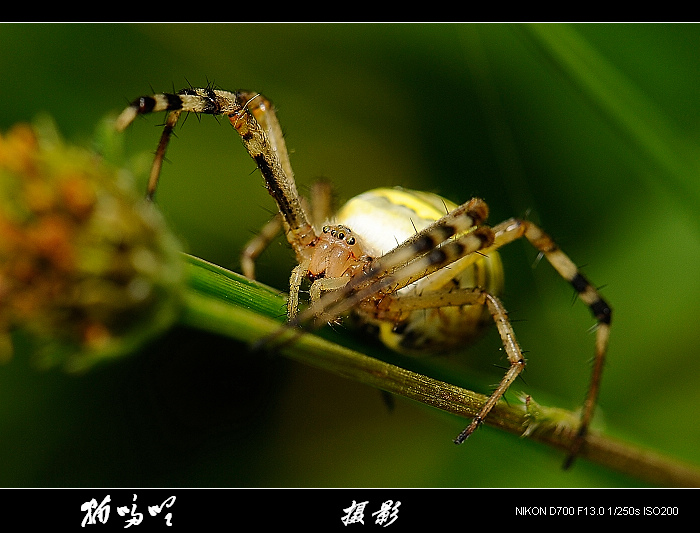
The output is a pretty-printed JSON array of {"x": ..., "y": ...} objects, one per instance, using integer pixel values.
[{"x": 590, "y": 130}]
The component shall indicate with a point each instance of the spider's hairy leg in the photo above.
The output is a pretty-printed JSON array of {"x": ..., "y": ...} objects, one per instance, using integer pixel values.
[
  {"x": 515, "y": 357},
  {"x": 295, "y": 280},
  {"x": 254, "y": 118},
  {"x": 157, "y": 164},
  {"x": 513, "y": 229},
  {"x": 463, "y": 218},
  {"x": 260, "y": 131},
  {"x": 394, "y": 306},
  {"x": 261, "y": 134},
  {"x": 264, "y": 113},
  {"x": 196, "y": 100},
  {"x": 280, "y": 185}
]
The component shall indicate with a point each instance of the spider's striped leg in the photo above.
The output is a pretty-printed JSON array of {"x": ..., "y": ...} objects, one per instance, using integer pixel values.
[
  {"x": 449, "y": 239},
  {"x": 195, "y": 100},
  {"x": 259, "y": 129},
  {"x": 254, "y": 118},
  {"x": 513, "y": 229},
  {"x": 264, "y": 113},
  {"x": 393, "y": 306},
  {"x": 208, "y": 101},
  {"x": 170, "y": 122},
  {"x": 281, "y": 187},
  {"x": 462, "y": 219}
]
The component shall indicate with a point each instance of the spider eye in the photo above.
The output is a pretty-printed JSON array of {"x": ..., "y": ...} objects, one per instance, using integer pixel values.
[
  {"x": 341, "y": 235},
  {"x": 326, "y": 229},
  {"x": 351, "y": 241}
]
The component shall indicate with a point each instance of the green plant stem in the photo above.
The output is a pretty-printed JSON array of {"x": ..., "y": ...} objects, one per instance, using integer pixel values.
[{"x": 226, "y": 303}]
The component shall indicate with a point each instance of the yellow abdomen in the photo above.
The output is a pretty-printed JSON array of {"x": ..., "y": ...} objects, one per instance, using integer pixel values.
[{"x": 384, "y": 218}]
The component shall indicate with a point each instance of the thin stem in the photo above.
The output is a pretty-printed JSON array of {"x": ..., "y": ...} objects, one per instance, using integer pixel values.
[{"x": 226, "y": 303}]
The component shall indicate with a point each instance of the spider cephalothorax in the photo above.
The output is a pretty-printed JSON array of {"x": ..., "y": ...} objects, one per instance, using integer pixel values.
[
  {"x": 424, "y": 272},
  {"x": 337, "y": 253}
]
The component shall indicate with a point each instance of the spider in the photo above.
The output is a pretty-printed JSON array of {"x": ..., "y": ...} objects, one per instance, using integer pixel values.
[{"x": 421, "y": 271}]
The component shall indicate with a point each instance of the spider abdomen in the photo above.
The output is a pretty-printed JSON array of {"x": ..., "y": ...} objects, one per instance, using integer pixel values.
[{"x": 384, "y": 218}]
